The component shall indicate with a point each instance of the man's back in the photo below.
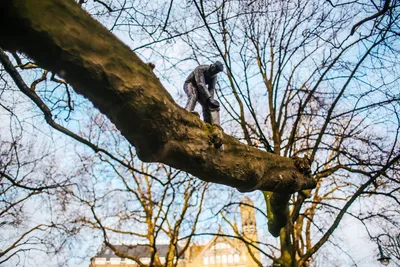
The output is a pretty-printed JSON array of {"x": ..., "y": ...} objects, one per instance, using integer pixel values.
[{"x": 198, "y": 71}]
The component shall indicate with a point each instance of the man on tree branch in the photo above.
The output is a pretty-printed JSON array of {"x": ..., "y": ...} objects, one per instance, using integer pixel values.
[
  {"x": 121, "y": 86},
  {"x": 196, "y": 89}
]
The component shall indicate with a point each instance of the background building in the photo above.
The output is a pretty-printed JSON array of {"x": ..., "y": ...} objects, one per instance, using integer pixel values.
[
  {"x": 221, "y": 250},
  {"x": 106, "y": 256}
]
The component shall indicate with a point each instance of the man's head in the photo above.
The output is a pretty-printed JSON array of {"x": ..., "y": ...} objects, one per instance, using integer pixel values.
[{"x": 216, "y": 67}]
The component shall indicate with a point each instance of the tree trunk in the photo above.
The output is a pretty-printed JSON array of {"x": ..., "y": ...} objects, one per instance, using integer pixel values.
[{"x": 64, "y": 39}]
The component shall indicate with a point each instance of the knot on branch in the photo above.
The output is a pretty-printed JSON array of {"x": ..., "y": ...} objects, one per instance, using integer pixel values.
[{"x": 151, "y": 66}]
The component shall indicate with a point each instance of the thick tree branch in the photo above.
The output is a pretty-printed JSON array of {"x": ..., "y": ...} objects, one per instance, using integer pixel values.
[{"x": 61, "y": 37}]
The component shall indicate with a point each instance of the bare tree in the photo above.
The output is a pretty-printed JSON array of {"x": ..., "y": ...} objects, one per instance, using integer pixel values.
[
  {"x": 392, "y": 246},
  {"x": 304, "y": 78},
  {"x": 27, "y": 181},
  {"x": 170, "y": 201},
  {"x": 159, "y": 141},
  {"x": 298, "y": 83},
  {"x": 136, "y": 207}
]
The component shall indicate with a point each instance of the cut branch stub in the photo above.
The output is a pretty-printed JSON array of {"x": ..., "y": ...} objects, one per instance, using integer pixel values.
[{"x": 63, "y": 38}]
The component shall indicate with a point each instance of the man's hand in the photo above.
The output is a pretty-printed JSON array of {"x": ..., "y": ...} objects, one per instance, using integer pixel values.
[{"x": 212, "y": 103}]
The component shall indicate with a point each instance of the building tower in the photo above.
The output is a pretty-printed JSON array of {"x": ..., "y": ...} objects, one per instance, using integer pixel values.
[
  {"x": 249, "y": 229},
  {"x": 248, "y": 216}
]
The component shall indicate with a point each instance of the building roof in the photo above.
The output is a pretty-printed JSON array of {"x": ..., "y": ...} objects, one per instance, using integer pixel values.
[{"x": 139, "y": 251}]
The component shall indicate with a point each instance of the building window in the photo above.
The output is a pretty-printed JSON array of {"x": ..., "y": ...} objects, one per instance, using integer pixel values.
[
  {"x": 145, "y": 260},
  {"x": 205, "y": 260},
  {"x": 115, "y": 261},
  {"x": 236, "y": 258},
  {"x": 212, "y": 260},
  {"x": 230, "y": 258},
  {"x": 223, "y": 258},
  {"x": 218, "y": 259},
  {"x": 129, "y": 261},
  {"x": 100, "y": 260},
  {"x": 220, "y": 246}
]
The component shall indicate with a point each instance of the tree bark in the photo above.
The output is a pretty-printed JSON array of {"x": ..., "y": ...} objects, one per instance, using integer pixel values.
[{"x": 63, "y": 38}]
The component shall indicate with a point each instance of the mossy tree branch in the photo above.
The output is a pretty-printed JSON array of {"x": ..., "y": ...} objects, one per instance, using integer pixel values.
[{"x": 63, "y": 38}]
